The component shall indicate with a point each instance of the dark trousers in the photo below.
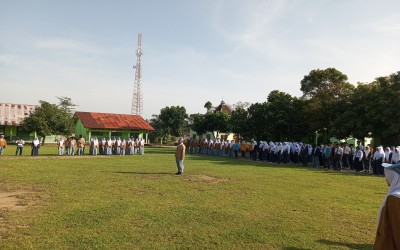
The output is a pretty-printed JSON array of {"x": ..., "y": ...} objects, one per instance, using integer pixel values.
[
  {"x": 19, "y": 149},
  {"x": 346, "y": 160},
  {"x": 351, "y": 162},
  {"x": 338, "y": 162},
  {"x": 35, "y": 151},
  {"x": 366, "y": 164},
  {"x": 358, "y": 164}
]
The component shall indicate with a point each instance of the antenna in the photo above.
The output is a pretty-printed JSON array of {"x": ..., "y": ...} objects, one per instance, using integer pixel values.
[{"x": 137, "y": 98}]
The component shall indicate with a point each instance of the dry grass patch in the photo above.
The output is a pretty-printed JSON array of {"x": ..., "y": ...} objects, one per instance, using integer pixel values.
[
  {"x": 16, "y": 200},
  {"x": 204, "y": 178}
]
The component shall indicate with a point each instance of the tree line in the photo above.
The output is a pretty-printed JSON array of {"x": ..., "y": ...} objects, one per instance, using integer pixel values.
[{"x": 329, "y": 107}]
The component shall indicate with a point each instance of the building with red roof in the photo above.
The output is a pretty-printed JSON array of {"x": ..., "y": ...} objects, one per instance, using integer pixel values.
[{"x": 105, "y": 125}]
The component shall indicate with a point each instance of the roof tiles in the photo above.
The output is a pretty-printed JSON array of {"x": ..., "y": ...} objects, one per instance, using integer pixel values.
[{"x": 95, "y": 120}]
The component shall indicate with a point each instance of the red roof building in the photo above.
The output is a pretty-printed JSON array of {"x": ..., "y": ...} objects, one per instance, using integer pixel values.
[{"x": 90, "y": 124}]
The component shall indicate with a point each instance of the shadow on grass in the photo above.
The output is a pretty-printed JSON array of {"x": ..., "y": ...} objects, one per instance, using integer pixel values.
[
  {"x": 161, "y": 151},
  {"x": 239, "y": 161},
  {"x": 295, "y": 248},
  {"x": 139, "y": 173},
  {"x": 332, "y": 243}
]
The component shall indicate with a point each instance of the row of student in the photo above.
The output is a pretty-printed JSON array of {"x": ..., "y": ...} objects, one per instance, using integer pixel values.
[
  {"x": 70, "y": 146},
  {"x": 336, "y": 156},
  {"x": 35, "y": 145},
  {"x": 114, "y": 146}
]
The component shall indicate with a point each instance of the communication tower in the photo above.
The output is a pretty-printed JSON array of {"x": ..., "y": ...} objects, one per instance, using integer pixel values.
[{"x": 137, "y": 99}]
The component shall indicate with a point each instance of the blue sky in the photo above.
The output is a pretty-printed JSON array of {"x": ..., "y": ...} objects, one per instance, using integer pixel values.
[{"x": 193, "y": 51}]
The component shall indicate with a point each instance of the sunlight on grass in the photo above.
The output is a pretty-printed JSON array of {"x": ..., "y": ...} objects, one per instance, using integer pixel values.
[{"x": 138, "y": 202}]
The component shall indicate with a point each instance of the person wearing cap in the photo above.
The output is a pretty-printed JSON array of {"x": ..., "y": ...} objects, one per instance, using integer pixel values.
[
  {"x": 3, "y": 144},
  {"x": 180, "y": 156},
  {"x": 388, "y": 230}
]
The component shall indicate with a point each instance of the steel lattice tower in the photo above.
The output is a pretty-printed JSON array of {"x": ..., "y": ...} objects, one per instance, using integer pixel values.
[{"x": 137, "y": 99}]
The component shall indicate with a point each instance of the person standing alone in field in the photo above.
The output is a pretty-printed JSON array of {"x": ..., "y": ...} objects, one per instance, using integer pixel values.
[{"x": 180, "y": 156}]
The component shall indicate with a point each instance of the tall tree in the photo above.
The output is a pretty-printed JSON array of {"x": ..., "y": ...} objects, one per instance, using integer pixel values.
[
  {"x": 239, "y": 121},
  {"x": 158, "y": 132},
  {"x": 258, "y": 121},
  {"x": 172, "y": 120},
  {"x": 48, "y": 119},
  {"x": 217, "y": 121},
  {"x": 323, "y": 90},
  {"x": 66, "y": 104},
  {"x": 199, "y": 123},
  {"x": 383, "y": 111},
  {"x": 284, "y": 118}
]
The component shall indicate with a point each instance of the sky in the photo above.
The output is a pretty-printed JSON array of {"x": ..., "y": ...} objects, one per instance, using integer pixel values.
[{"x": 194, "y": 51}]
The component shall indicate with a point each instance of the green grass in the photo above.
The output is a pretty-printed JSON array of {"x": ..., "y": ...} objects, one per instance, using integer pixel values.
[{"x": 137, "y": 202}]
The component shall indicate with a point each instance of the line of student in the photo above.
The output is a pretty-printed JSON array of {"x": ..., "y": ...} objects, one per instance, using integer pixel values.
[
  {"x": 114, "y": 146},
  {"x": 337, "y": 156}
]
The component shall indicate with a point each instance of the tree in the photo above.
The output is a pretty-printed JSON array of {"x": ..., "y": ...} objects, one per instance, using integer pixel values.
[
  {"x": 172, "y": 121},
  {"x": 322, "y": 91},
  {"x": 199, "y": 123},
  {"x": 258, "y": 122},
  {"x": 217, "y": 121},
  {"x": 48, "y": 119},
  {"x": 241, "y": 105},
  {"x": 208, "y": 106},
  {"x": 157, "y": 133},
  {"x": 239, "y": 121},
  {"x": 66, "y": 103}
]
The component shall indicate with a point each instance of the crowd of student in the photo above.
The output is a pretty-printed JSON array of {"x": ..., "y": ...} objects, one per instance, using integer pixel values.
[
  {"x": 71, "y": 146},
  {"x": 104, "y": 146},
  {"x": 336, "y": 156}
]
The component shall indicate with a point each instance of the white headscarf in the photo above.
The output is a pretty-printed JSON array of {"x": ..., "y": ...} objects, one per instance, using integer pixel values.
[
  {"x": 396, "y": 155},
  {"x": 366, "y": 151},
  {"x": 387, "y": 153},
  {"x": 379, "y": 153},
  {"x": 36, "y": 142},
  {"x": 393, "y": 179}
]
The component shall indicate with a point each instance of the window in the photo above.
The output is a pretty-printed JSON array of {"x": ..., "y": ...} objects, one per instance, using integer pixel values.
[
  {"x": 97, "y": 133},
  {"x": 116, "y": 133}
]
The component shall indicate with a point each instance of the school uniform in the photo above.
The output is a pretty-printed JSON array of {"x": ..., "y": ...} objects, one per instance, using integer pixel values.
[
  {"x": 20, "y": 145},
  {"x": 388, "y": 229},
  {"x": 358, "y": 156},
  {"x": 377, "y": 160}
]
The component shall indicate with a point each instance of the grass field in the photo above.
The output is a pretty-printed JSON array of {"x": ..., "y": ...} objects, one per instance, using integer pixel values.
[{"x": 132, "y": 202}]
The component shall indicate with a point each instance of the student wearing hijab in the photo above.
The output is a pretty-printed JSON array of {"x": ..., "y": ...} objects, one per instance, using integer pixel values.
[
  {"x": 396, "y": 155},
  {"x": 35, "y": 147},
  {"x": 387, "y": 154},
  {"x": 388, "y": 230},
  {"x": 377, "y": 160}
]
